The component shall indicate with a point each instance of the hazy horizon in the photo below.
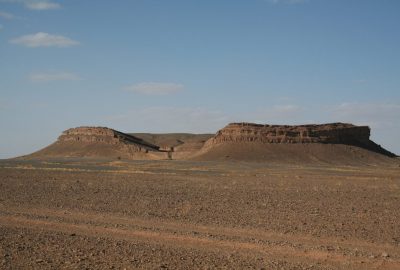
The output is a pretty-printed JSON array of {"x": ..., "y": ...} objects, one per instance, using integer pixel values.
[{"x": 195, "y": 66}]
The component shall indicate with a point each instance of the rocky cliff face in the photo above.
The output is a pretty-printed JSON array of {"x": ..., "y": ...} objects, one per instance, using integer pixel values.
[
  {"x": 103, "y": 135},
  {"x": 326, "y": 133}
]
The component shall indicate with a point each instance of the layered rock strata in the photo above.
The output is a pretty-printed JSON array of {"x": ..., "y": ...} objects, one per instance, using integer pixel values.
[
  {"x": 333, "y": 133},
  {"x": 103, "y": 135},
  {"x": 326, "y": 133}
]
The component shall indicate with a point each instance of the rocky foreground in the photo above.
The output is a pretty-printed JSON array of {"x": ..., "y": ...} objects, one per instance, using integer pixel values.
[{"x": 75, "y": 214}]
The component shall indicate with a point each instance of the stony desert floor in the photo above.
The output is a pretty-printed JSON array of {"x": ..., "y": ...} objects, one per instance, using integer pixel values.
[{"x": 99, "y": 214}]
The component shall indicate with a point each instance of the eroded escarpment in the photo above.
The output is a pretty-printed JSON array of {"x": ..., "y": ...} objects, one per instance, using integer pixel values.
[
  {"x": 333, "y": 133},
  {"x": 327, "y": 133},
  {"x": 105, "y": 135},
  {"x": 100, "y": 142}
]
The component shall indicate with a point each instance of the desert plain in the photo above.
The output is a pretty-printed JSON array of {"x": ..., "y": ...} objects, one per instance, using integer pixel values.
[
  {"x": 101, "y": 214},
  {"x": 243, "y": 202}
]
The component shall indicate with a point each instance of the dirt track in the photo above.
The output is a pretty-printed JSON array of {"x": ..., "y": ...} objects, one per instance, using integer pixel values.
[{"x": 158, "y": 215}]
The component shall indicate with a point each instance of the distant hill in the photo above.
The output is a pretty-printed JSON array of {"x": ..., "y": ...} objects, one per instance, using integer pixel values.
[
  {"x": 99, "y": 142},
  {"x": 336, "y": 143}
]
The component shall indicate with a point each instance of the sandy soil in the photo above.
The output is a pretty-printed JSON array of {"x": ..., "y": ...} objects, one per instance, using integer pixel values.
[{"x": 86, "y": 214}]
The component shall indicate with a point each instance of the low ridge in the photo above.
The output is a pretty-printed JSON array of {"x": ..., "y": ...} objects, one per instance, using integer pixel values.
[{"x": 180, "y": 145}]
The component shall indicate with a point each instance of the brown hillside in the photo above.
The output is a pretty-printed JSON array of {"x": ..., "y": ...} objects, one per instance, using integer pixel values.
[
  {"x": 100, "y": 142},
  {"x": 328, "y": 143}
]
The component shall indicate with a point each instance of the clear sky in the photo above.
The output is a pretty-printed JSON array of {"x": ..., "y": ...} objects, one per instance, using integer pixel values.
[{"x": 194, "y": 66}]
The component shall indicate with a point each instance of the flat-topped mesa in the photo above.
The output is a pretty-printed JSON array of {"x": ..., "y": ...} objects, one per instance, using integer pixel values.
[
  {"x": 325, "y": 133},
  {"x": 103, "y": 135}
]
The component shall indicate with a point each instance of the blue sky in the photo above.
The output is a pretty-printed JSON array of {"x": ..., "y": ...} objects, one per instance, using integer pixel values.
[{"x": 194, "y": 66}]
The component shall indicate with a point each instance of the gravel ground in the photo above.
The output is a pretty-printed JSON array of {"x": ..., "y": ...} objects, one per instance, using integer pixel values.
[{"x": 188, "y": 215}]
